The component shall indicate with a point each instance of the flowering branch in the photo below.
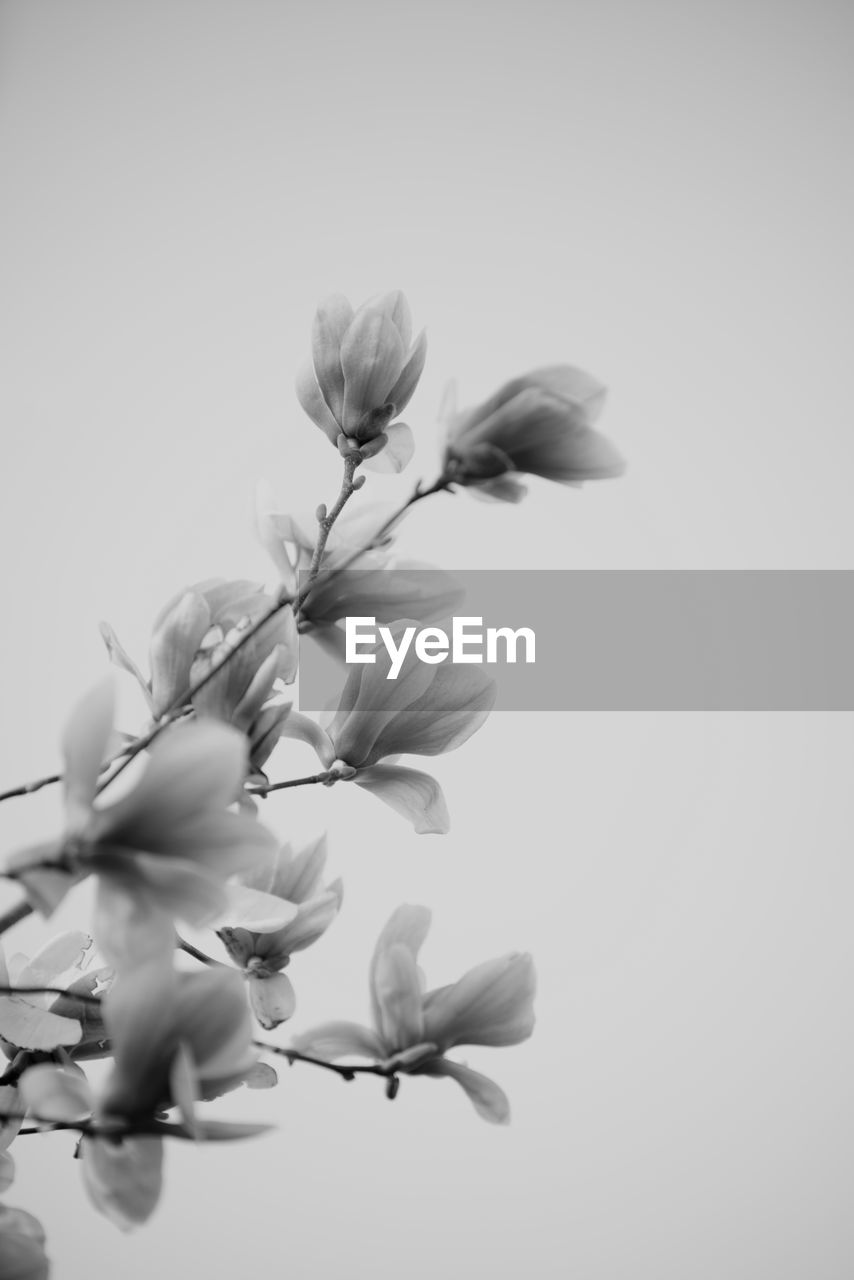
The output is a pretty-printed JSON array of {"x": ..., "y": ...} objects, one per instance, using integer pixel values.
[{"x": 347, "y": 1073}]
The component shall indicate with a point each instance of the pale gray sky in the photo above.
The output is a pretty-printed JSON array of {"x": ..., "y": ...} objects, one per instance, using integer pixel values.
[{"x": 660, "y": 193}]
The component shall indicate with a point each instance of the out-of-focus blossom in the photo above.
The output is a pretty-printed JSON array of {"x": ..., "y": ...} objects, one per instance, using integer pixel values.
[
  {"x": 492, "y": 1004},
  {"x": 164, "y": 849},
  {"x": 48, "y": 1022},
  {"x": 22, "y": 1255},
  {"x": 195, "y": 632},
  {"x": 176, "y": 1038},
  {"x": 540, "y": 423},
  {"x": 262, "y": 954},
  {"x": 427, "y": 710},
  {"x": 363, "y": 371}
]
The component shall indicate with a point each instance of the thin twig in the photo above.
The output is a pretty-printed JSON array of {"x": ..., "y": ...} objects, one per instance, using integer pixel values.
[
  {"x": 345, "y": 1072},
  {"x": 264, "y": 789},
  {"x": 184, "y": 945},
  {"x": 82, "y": 996},
  {"x": 179, "y": 707}
]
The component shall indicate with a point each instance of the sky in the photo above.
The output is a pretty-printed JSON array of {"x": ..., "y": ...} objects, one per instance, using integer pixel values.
[{"x": 660, "y": 194}]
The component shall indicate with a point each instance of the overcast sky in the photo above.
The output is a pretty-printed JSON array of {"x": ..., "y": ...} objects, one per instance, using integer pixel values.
[{"x": 660, "y": 193}]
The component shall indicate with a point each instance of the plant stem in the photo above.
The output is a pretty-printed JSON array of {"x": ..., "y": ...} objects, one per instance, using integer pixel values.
[
  {"x": 179, "y": 707},
  {"x": 183, "y": 945},
  {"x": 30, "y": 788},
  {"x": 265, "y": 788},
  {"x": 82, "y": 997},
  {"x": 345, "y": 1072}
]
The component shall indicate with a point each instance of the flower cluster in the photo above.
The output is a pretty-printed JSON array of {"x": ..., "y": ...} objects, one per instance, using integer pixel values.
[{"x": 177, "y": 837}]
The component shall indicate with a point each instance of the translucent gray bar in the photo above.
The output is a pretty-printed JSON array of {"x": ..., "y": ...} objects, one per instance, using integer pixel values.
[{"x": 629, "y": 641}]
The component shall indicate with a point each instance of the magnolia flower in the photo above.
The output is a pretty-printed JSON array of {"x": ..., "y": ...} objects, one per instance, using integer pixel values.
[
  {"x": 362, "y": 374},
  {"x": 161, "y": 851},
  {"x": 176, "y": 1038},
  {"x": 541, "y": 423},
  {"x": 195, "y": 632},
  {"x": 22, "y": 1255},
  {"x": 412, "y": 1029},
  {"x": 51, "y": 1022},
  {"x": 426, "y": 711},
  {"x": 262, "y": 954}
]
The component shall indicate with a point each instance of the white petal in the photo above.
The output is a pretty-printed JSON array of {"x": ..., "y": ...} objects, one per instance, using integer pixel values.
[
  {"x": 252, "y": 909},
  {"x": 84, "y": 747},
  {"x": 124, "y": 1179},
  {"x": 489, "y": 1100},
  {"x": 273, "y": 999},
  {"x": 413, "y": 794},
  {"x": 54, "y": 1093},
  {"x": 191, "y": 767},
  {"x": 397, "y": 453},
  {"x": 333, "y": 1040}
]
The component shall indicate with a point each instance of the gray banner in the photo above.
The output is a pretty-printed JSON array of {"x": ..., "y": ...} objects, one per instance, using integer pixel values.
[{"x": 633, "y": 641}]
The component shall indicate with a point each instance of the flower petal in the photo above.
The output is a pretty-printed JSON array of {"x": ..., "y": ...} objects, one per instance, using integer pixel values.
[
  {"x": 54, "y": 1093},
  {"x": 192, "y": 767},
  {"x": 273, "y": 999},
  {"x": 120, "y": 658},
  {"x": 407, "y": 926},
  {"x": 492, "y": 1004},
  {"x": 303, "y": 728},
  {"x": 397, "y": 453},
  {"x": 174, "y": 641},
  {"x": 402, "y": 391},
  {"x": 297, "y": 876},
  {"x": 256, "y": 910},
  {"x": 453, "y": 707},
  {"x": 332, "y": 322},
  {"x": 84, "y": 748},
  {"x": 333, "y": 1040},
  {"x": 124, "y": 1179},
  {"x": 372, "y": 359},
  {"x": 28, "y": 1027},
  {"x": 311, "y": 399},
  {"x": 131, "y": 927},
  {"x": 489, "y": 1100},
  {"x": 413, "y": 794}
]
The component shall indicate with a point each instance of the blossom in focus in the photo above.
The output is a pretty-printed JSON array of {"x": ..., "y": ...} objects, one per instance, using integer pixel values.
[
  {"x": 540, "y": 423},
  {"x": 164, "y": 849},
  {"x": 48, "y": 1022},
  {"x": 363, "y": 371},
  {"x": 176, "y": 1038},
  {"x": 22, "y": 1255},
  {"x": 413, "y": 1029},
  {"x": 195, "y": 632},
  {"x": 262, "y": 954},
  {"x": 426, "y": 711}
]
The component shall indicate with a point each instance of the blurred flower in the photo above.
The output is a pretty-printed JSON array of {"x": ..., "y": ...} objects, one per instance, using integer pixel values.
[
  {"x": 540, "y": 423},
  {"x": 362, "y": 374},
  {"x": 412, "y": 1030},
  {"x": 48, "y": 1022},
  {"x": 195, "y": 632},
  {"x": 426, "y": 711},
  {"x": 262, "y": 954},
  {"x": 164, "y": 849},
  {"x": 176, "y": 1038},
  {"x": 22, "y": 1255}
]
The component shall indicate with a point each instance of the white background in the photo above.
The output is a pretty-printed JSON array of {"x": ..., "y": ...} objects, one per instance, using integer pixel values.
[{"x": 659, "y": 192}]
